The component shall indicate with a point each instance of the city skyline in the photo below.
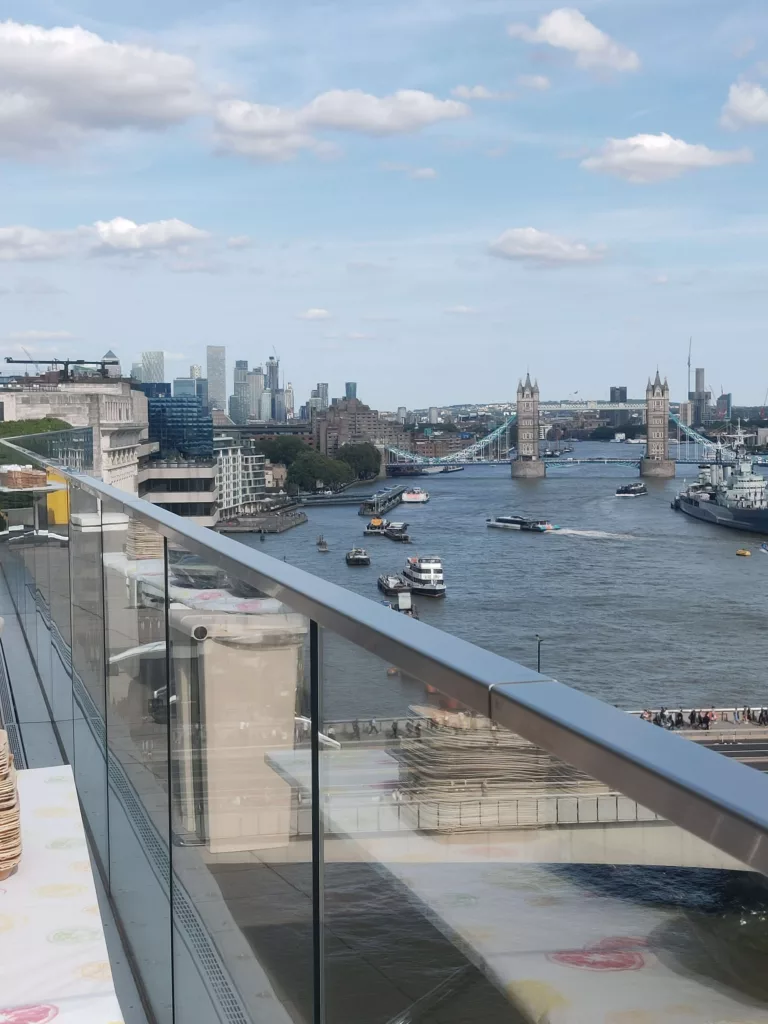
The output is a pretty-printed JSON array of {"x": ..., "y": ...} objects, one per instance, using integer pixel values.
[{"x": 577, "y": 191}]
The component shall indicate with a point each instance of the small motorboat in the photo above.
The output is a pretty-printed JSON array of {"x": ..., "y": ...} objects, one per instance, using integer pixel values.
[
  {"x": 322, "y": 544},
  {"x": 392, "y": 584},
  {"x": 744, "y": 552},
  {"x": 358, "y": 556},
  {"x": 631, "y": 491},
  {"x": 398, "y": 531},
  {"x": 764, "y": 548}
]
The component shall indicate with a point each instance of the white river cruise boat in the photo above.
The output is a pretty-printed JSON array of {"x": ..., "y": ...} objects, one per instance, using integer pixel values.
[
  {"x": 414, "y": 496},
  {"x": 425, "y": 575}
]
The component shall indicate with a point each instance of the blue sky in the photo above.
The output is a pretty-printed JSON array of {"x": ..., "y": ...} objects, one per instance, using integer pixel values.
[{"x": 427, "y": 197}]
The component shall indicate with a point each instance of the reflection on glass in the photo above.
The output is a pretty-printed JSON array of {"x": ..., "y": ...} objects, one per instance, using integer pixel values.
[
  {"x": 243, "y": 872},
  {"x": 139, "y": 861},
  {"x": 57, "y": 515}
]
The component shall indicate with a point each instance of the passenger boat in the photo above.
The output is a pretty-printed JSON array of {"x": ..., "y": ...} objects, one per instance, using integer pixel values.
[
  {"x": 521, "y": 523},
  {"x": 414, "y": 496},
  {"x": 425, "y": 575},
  {"x": 358, "y": 556},
  {"x": 376, "y": 528},
  {"x": 398, "y": 531},
  {"x": 322, "y": 544},
  {"x": 392, "y": 584},
  {"x": 631, "y": 491}
]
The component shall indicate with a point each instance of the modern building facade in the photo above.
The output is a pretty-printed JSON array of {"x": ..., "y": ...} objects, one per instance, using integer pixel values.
[
  {"x": 657, "y": 461},
  {"x": 113, "y": 367},
  {"x": 272, "y": 374},
  {"x": 701, "y": 400},
  {"x": 265, "y": 405},
  {"x": 152, "y": 367},
  {"x": 195, "y": 371},
  {"x": 618, "y": 394},
  {"x": 240, "y": 477},
  {"x": 136, "y": 373},
  {"x": 724, "y": 407},
  {"x": 321, "y": 393},
  {"x": 255, "y": 391},
  {"x": 184, "y": 387},
  {"x": 350, "y": 389},
  {"x": 181, "y": 427},
  {"x": 185, "y": 487},
  {"x": 216, "y": 359},
  {"x": 289, "y": 401}
]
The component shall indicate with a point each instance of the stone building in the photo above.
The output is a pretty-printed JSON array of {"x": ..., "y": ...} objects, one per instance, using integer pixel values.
[
  {"x": 657, "y": 461},
  {"x": 350, "y": 421},
  {"x": 528, "y": 464}
]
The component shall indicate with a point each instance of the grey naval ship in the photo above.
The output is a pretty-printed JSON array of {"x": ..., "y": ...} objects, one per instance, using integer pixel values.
[{"x": 728, "y": 493}]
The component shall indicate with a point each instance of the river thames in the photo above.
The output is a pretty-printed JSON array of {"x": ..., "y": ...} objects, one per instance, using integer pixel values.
[{"x": 636, "y": 604}]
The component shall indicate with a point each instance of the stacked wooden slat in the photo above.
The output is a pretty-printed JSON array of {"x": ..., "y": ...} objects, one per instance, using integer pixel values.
[
  {"x": 10, "y": 819},
  {"x": 22, "y": 477},
  {"x": 142, "y": 541}
]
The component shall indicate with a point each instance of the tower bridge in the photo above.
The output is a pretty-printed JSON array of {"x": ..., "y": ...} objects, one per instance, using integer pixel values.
[{"x": 496, "y": 446}]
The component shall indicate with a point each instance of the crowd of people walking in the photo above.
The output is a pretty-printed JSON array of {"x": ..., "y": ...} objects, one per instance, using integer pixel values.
[{"x": 704, "y": 718}]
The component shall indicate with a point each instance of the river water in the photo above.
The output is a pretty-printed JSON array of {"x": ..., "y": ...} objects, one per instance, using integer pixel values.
[{"x": 637, "y": 605}]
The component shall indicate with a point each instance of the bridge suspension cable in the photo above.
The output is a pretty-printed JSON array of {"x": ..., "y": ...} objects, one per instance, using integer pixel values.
[{"x": 469, "y": 454}]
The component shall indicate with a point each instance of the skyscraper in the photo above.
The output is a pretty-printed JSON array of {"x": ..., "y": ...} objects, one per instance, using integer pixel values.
[
  {"x": 152, "y": 367},
  {"x": 195, "y": 371},
  {"x": 322, "y": 394},
  {"x": 350, "y": 389},
  {"x": 240, "y": 403},
  {"x": 618, "y": 394},
  {"x": 216, "y": 358},
  {"x": 289, "y": 400},
  {"x": 255, "y": 390},
  {"x": 113, "y": 368},
  {"x": 700, "y": 399},
  {"x": 273, "y": 374},
  {"x": 184, "y": 387},
  {"x": 181, "y": 426},
  {"x": 265, "y": 410},
  {"x": 136, "y": 371}
]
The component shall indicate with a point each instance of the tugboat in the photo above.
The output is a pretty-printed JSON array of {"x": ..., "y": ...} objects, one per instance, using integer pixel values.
[
  {"x": 728, "y": 494},
  {"x": 358, "y": 556},
  {"x": 631, "y": 491},
  {"x": 520, "y": 523},
  {"x": 322, "y": 544},
  {"x": 414, "y": 496},
  {"x": 376, "y": 528},
  {"x": 391, "y": 584},
  {"x": 425, "y": 574},
  {"x": 398, "y": 531}
]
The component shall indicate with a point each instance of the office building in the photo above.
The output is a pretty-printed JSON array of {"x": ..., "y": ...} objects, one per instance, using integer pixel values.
[
  {"x": 724, "y": 408},
  {"x": 152, "y": 367},
  {"x": 181, "y": 427},
  {"x": 195, "y": 371},
  {"x": 113, "y": 366},
  {"x": 186, "y": 487},
  {"x": 350, "y": 389},
  {"x": 216, "y": 359},
  {"x": 201, "y": 390},
  {"x": 685, "y": 413},
  {"x": 238, "y": 410},
  {"x": 289, "y": 400},
  {"x": 255, "y": 391},
  {"x": 272, "y": 381},
  {"x": 240, "y": 403},
  {"x": 402, "y": 412},
  {"x": 701, "y": 400},
  {"x": 321, "y": 392},
  {"x": 432, "y": 416},
  {"x": 265, "y": 405},
  {"x": 159, "y": 389},
  {"x": 136, "y": 372},
  {"x": 278, "y": 406},
  {"x": 184, "y": 387},
  {"x": 618, "y": 394}
]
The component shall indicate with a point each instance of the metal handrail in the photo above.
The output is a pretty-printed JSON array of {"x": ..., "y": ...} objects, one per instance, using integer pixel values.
[{"x": 716, "y": 798}]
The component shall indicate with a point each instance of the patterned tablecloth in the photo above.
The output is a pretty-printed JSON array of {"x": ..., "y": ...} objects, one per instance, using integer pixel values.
[{"x": 54, "y": 964}]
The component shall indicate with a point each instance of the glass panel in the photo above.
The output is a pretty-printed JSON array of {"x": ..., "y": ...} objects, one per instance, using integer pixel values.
[
  {"x": 71, "y": 448},
  {"x": 139, "y": 856},
  {"x": 88, "y": 679},
  {"x": 470, "y": 875},
  {"x": 57, "y": 502},
  {"x": 242, "y": 852},
  {"x": 42, "y": 650}
]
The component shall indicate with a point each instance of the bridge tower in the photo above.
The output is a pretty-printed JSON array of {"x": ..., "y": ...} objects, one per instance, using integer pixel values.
[
  {"x": 528, "y": 465},
  {"x": 657, "y": 461}
]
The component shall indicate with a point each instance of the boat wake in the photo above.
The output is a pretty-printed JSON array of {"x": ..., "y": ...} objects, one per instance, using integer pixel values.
[{"x": 594, "y": 534}]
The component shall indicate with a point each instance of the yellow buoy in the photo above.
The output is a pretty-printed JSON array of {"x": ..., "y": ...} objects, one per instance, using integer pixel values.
[{"x": 744, "y": 552}]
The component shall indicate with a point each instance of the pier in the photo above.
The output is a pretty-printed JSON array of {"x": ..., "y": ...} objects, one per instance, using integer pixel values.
[{"x": 383, "y": 501}]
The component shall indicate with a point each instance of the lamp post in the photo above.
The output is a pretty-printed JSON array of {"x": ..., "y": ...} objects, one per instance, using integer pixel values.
[{"x": 539, "y": 642}]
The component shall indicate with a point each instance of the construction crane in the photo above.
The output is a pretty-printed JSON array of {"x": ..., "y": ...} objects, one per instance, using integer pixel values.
[
  {"x": 65, "y": 373},
  {"x": 765, "y": 402},
  {"x": 690, "y": 345}
]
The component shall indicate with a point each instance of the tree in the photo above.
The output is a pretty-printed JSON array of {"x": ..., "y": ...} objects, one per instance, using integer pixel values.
[
  {"x": 284, "y": 449},
  {"x": 363, "y": 459},
  {"x": 312, "y": 468}
]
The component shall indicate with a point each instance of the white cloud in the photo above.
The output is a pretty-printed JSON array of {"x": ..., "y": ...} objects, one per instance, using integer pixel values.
[
  {"x": 539, "y": 82},
  {"x": 239, "y": 242},
  {"x": 24, "y": 243},
  {"x": 175, "y": 356},
  {"x": 121, "y": 235},
  {"x": 279, "y": 133},
  {"x": 529, "y": 245},
  {"x": 648, "y": 158},
  {"x": 567, "y": 29},
  {"x": 422, "y": 173},
  {"x": 40, "y": 335},
  {"x": 59, "y": 85},
  {"x": 461, "y": 310},
  {"x": 747, "y": 104},
  {"x": 478, "y": 92},
  {"x": 314, "y": 314}
]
